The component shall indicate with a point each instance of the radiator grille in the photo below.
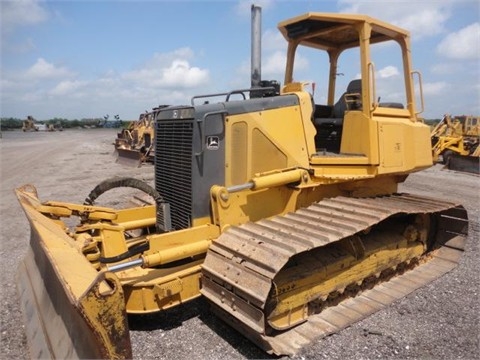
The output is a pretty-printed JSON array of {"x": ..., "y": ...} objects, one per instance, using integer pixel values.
[{"x": 173, "y": 169}]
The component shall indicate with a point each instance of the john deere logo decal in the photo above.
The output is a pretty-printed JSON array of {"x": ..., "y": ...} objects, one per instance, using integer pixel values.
[{"x": 212, "y": 142}]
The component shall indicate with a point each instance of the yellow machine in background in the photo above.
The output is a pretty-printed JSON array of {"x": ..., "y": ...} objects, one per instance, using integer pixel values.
[
  {"x": 455, "y": 142},
  {"x": 29, "y": 124},
  {"x": 55, "y": 127},
  {"x": 282, "y": 210},
  {"x": 135, "y": 145}
]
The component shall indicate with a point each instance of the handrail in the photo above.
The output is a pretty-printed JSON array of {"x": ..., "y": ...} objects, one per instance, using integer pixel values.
[
  {"x": 233, "y": 92},
  {"x": 371, "y": 75},
  {"x": 421, "y": 90},
  {"x": 218, "y": 94}
]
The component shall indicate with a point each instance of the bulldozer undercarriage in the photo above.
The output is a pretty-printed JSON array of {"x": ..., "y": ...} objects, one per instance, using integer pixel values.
[
  {"x": 282, "y": 281},
  {"x": 286, "y": 281}
]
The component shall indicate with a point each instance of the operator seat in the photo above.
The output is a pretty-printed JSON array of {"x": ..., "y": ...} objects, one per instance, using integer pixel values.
[
  {"x": 350, "y": 99},
  {"x": 328, "y": 120}
]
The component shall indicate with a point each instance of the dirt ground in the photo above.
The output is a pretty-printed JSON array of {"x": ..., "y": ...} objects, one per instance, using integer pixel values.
[{"x": 439, "y": 321}]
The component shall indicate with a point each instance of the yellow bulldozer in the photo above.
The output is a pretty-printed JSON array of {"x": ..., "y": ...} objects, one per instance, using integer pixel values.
[
  {"x": 282, "y": 212},
  {"x": 455, "y": 141},
  {"x": 135, "y": 144},
  {"x": 29, "y": 124}
]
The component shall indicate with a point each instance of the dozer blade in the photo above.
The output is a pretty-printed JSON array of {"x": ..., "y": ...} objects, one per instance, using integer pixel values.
[
  {"x": 470, "y": 164},
  {"x": 129, "y": 157},
  {"x": 70, "y": 310},
  {"x": 288, "y": 280}
]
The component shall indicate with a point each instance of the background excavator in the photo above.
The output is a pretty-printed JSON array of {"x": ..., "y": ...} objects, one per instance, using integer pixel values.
[
  {"x": 455, "y": 143},
  {"x": 280, "y": 208}
]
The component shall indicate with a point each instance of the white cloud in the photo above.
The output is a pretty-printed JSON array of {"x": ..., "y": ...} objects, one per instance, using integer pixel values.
[
  {"x": 32, "y": 97},
  {"x": 388, "y": 71},
  {"x": 445, "y": 68},
  {"x": 20, "y": 47},
  {"x": 7, "y": 85},
  {"x": 53, "y": 90},
  {"x": 67, "y": 87},
  {"x": 181, "y": 74},
  {"x": 421, "y": 18},
  {"x": 45, "y": 70},
  {"x": 169, "y": 70},
  {"x": 273, "y": 40},
  {"x": 163, "y": 59},
  {"x": 434, "y": 88},
  {"x": 463, "y": 44},
  {"x": 15, "y": 14},
  {"x": 20, "y": 13},
  {"x": 273, "y": 60},
  {"x": 423, "y": 23},
  {"x": 274, "y": 64}
]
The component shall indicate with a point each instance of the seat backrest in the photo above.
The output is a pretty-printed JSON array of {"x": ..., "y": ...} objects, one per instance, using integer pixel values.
[{"x": 354, "y": 87}]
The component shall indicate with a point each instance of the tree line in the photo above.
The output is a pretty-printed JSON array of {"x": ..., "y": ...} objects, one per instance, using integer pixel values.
[
  {"x": 15, "y": 123},
  {"x": 10, "y": 123}
]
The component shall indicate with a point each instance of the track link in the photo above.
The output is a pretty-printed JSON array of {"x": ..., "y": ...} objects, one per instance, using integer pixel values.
[{"x": 242, "y": 266}]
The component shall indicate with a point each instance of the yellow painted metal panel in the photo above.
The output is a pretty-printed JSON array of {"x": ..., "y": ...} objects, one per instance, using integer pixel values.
[
  {"x": 237, "y": 153},
  {"x": 392, "y": 145},
  {"x": 265, "y": 154}
]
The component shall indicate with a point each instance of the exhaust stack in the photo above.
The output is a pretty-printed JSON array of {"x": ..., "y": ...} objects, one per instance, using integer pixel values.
[{"x": 256, "y": 61}]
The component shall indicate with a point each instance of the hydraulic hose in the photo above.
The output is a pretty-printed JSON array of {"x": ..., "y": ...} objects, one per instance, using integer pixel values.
[{"x": 132, "y": 251}]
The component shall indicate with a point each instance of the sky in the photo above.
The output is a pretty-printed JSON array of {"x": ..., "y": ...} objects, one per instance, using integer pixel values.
[{"x": 86, "y": 59}]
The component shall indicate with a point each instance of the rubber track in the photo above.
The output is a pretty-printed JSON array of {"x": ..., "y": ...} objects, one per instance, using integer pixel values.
[{"x": 241, "y": 263}]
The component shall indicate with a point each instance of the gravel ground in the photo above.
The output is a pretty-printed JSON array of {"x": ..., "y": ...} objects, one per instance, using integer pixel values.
[{"x": 439, "y": 321}]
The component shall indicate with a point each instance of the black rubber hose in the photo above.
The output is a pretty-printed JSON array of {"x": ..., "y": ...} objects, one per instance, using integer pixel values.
[
  {"x": 132, "y": 251},
  {"x": 117, "y": 182}
]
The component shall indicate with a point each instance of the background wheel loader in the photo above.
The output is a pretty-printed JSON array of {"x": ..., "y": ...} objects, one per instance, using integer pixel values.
[
  {"x": 283, "y": 212},
  {"x": 455, "y": 143}
]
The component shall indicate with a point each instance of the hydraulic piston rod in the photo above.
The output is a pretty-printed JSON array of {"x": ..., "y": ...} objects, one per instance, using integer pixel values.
[{"x": 165, "y": 256}]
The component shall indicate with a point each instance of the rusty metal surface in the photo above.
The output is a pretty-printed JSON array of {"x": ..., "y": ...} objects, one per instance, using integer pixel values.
[{"x": 241, "y": 264}]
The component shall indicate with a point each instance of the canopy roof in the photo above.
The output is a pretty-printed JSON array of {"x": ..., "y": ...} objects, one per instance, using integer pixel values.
[{"x": 336, "y": 31}]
